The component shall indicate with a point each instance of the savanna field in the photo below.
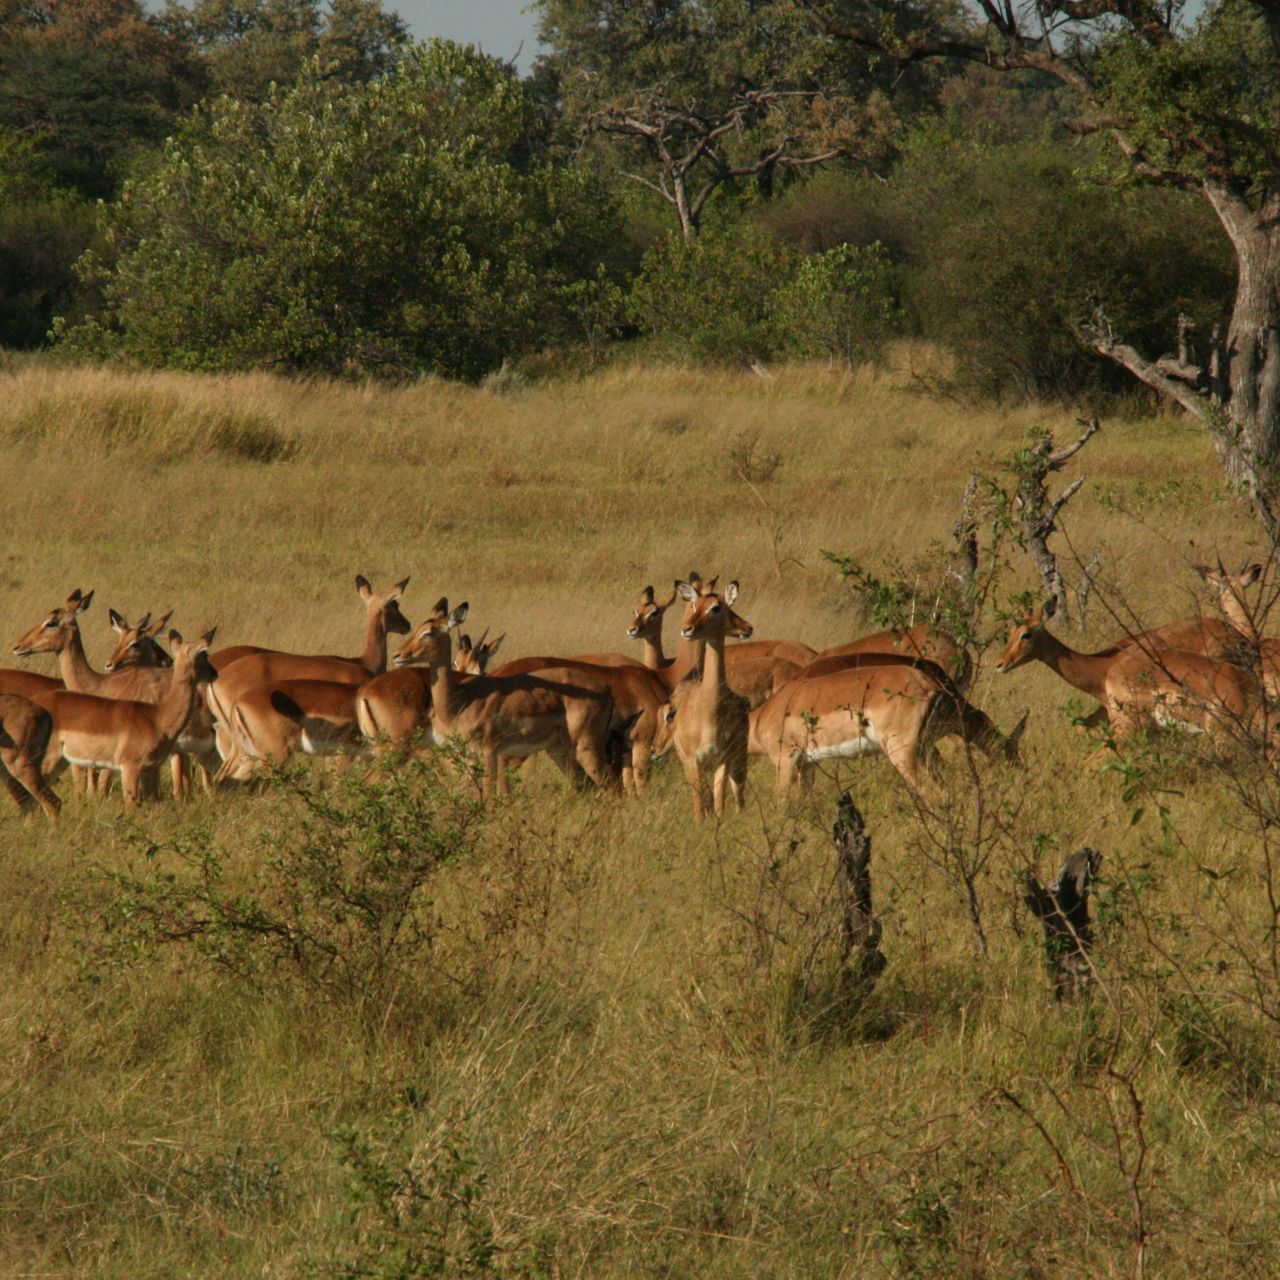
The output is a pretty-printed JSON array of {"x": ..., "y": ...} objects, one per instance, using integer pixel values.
[{"x": 600, "y": 1039}]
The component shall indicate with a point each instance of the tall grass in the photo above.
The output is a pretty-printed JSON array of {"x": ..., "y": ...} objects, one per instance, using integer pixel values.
[{"x": 616, "y": 1055}]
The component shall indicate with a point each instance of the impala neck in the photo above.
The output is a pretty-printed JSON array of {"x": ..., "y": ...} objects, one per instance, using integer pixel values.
[
  {"x": 713, "y": 663},
  {"x": 374, "y": 658},
  {"x": 77, "y": 674},
  {"x": 653, "y": 657},
  {"x": 1085, "y": 671},
  {"x": 174, "y": 709},
  {"x": 687, "y": 657},
  {"x": 443, "y": 686},
  {"x": 1236, "y": 614}
]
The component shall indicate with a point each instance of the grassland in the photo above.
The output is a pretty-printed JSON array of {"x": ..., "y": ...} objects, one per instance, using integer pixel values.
[{"x": 616, "y": 1051}]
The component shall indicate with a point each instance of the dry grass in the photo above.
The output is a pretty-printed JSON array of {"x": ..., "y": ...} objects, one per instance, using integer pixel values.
[{"x": 621, "y": 1020}]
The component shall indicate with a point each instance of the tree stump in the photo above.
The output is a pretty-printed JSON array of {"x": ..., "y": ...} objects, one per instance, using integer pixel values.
[
  {"x": 860, "y": 930},
  {"x": 1063, "y": 909}
]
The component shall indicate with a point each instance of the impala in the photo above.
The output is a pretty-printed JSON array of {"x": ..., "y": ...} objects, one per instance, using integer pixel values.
[
  {"x": 710, "y": 724},
  {"x": 24, "y": 736},
  {"x": 639, "y": 697},
  {"x": 59, "y": 632},
  {"x": 921, "y": 643},
  {"x": 507, "y": 716},
  {"x": 873, "y": 703},
  {"x": 755, "y": 669},
  {"x": 382, "y": 616},
  {"x": 1256, "y": 650},
  {"x": 1168, "y": 688},
  {"x": 129, "y": 737}
]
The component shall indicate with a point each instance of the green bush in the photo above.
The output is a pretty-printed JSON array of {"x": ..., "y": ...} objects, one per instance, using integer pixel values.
[
  {"x": 839, "y": 304},
  {"x": 714, "y": 297}
]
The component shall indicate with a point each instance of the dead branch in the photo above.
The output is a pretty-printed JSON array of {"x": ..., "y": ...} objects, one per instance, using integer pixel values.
[{"x": 1063, "y": 910}]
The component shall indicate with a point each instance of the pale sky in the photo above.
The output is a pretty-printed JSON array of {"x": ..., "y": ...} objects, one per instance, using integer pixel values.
[{"x": 499, "y": 27}]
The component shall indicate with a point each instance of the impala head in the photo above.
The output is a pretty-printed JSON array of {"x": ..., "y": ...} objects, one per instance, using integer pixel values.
[
  {"x": 387, "y": 604},
  {"x": 710, "y": 614},
  {"x": 1026, "y": 635},
  {"x": 52, "y": 633},
  {"x": 649, "y": 613},
  {"x": 137, "y": 645},
  {"x": 1220, "y": 580},
  {"x": 194, "y": 655},
  {"x": 474, "y": 659},
  {"x": 429, "y": 642}
]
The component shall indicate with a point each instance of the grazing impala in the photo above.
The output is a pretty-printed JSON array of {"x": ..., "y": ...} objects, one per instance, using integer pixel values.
[
  {"x": 1169, "y": 688},
  {"x": 24, "y": 737},
  {"x": 509, "y": 716},
  {"x": 710, "y": 724},
  {"x": 126, "y": 736},
  {"x": 755, "y": 669},
  {"x": 866, "y": 703}
]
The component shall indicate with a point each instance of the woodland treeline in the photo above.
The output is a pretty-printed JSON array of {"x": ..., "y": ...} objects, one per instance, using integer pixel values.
[{"x": 296, "y": 186}]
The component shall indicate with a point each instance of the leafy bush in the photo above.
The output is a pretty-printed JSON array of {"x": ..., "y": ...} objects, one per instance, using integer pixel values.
[
  {"x": 839, "y": 304},
  {"x": 713, "y": 297},
  {"x": 396, "y": 227},
  {"x": 335, "y": 901}
]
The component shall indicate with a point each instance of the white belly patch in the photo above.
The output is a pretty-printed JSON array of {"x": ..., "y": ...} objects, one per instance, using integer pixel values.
[
  {"x": 863, "y": 744},
  {"x": 92, "y": 764}
]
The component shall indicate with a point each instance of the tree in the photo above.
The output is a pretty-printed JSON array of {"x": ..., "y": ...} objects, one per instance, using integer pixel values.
[
  {"x": 388, "y": 228},
  {"x": 90, "y": 81},
  {"x": 248, "y": 45},
  {"x": 1187, "y": 105},
  {"x": 697, "y": 94}
]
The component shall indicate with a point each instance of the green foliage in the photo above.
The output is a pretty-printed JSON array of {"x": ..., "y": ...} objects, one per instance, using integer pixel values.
[
  {"x": 394, "y": 227},
  {"x": 335, "y": 904},
  {"x": 413, "y": 1218},
  {"x": 1014, "y": 247},
  {"x": 247, "y": 45},
  {"x": 714, "y": 297},
  {"x": 839, "y": 304}
]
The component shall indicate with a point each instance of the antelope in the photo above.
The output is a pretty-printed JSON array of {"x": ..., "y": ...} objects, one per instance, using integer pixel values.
[
  {"x": 383, "y": 616},
  {"x": 639, "y": 698},
  {"x": 921, "y": 643},
  {"x": 126, "y": 736},
  {"x": 1170, "y": 688},
  {"x": 710, "y": 725},
  {"x": 554, "y": 711},
  {"x": 24, "y": 734},
  {"x": 145, "y": 679},
  {"x": 319, "y": 717},
  {"x": 873, "y": 703},
  {"x": 755, "y": 669},
  {"x": 1257, "y": 651}
]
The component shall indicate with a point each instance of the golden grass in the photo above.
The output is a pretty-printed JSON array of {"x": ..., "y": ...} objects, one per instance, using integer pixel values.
[{"x": 619, "y": 1022}]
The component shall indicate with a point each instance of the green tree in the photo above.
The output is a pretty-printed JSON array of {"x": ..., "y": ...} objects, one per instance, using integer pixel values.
[
  {"x": 91, "y": 81},
  {"x": 246, "y": 46},
  {"x": 1190, "y": 105},
  {"x": 839, "y": 304},
  {"x": 698, "y": 96},
  {"x": 393, "y": 227}
]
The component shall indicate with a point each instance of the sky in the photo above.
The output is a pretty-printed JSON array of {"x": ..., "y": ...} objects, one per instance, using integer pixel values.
[{"x": 499, "y": 27}]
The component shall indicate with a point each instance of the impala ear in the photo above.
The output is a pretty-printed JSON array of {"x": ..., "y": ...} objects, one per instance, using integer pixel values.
[
  {"x": 495, "y": 644},
  {"x": 1250, "y": 574},
  {"x": 85, "y": 602},
  {"x": 398, "y": 590},
  {"x": 668, "y": 602},
  {"x": 207, "y": 639},
  {"x": 457, "y": 616},
  {"x": 1049, "y": 608},
  {"x": 646, "y": 596},
  {"x": 118, "y": 624},
  {"x": 363, "y": 587},
  {"x": 158, "y": 627},
  {"x": 687, "y": 591},
  {"x": 731, "y": 593},
  {"x": 711, "y": 586},
  {"x": 73, "y": 599},
  {"x": 175, "y": 636},
  {"x": 442, "y": 605},
  {"x": 695, "y": 577}
]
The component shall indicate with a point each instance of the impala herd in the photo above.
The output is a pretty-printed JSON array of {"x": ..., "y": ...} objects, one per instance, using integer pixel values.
[{"x": 603, "y": 718}]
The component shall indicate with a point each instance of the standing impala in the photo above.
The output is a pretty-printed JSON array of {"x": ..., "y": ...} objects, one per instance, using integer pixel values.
[
  {"x": 1169, "y": 688},
  {"x": 755, "y": 669},
  {"x": 710, "y": 724},
  {"x": 24, "y": 736},
  {"x": 555, "y": 711},
  {"x": 126, "y": 736},
  {"x": 382, "y": 616}
]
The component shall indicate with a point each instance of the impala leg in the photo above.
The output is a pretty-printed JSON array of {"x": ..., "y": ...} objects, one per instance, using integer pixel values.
[
  {"x": 131, "y": 784},
  {"x": 640, "y": 756},
  {"x": 181, "y": 778},
  {"x": 16, "y": 790},
  {"x": 719, "y": 780},
  {"x": 738, "y": 781}
]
